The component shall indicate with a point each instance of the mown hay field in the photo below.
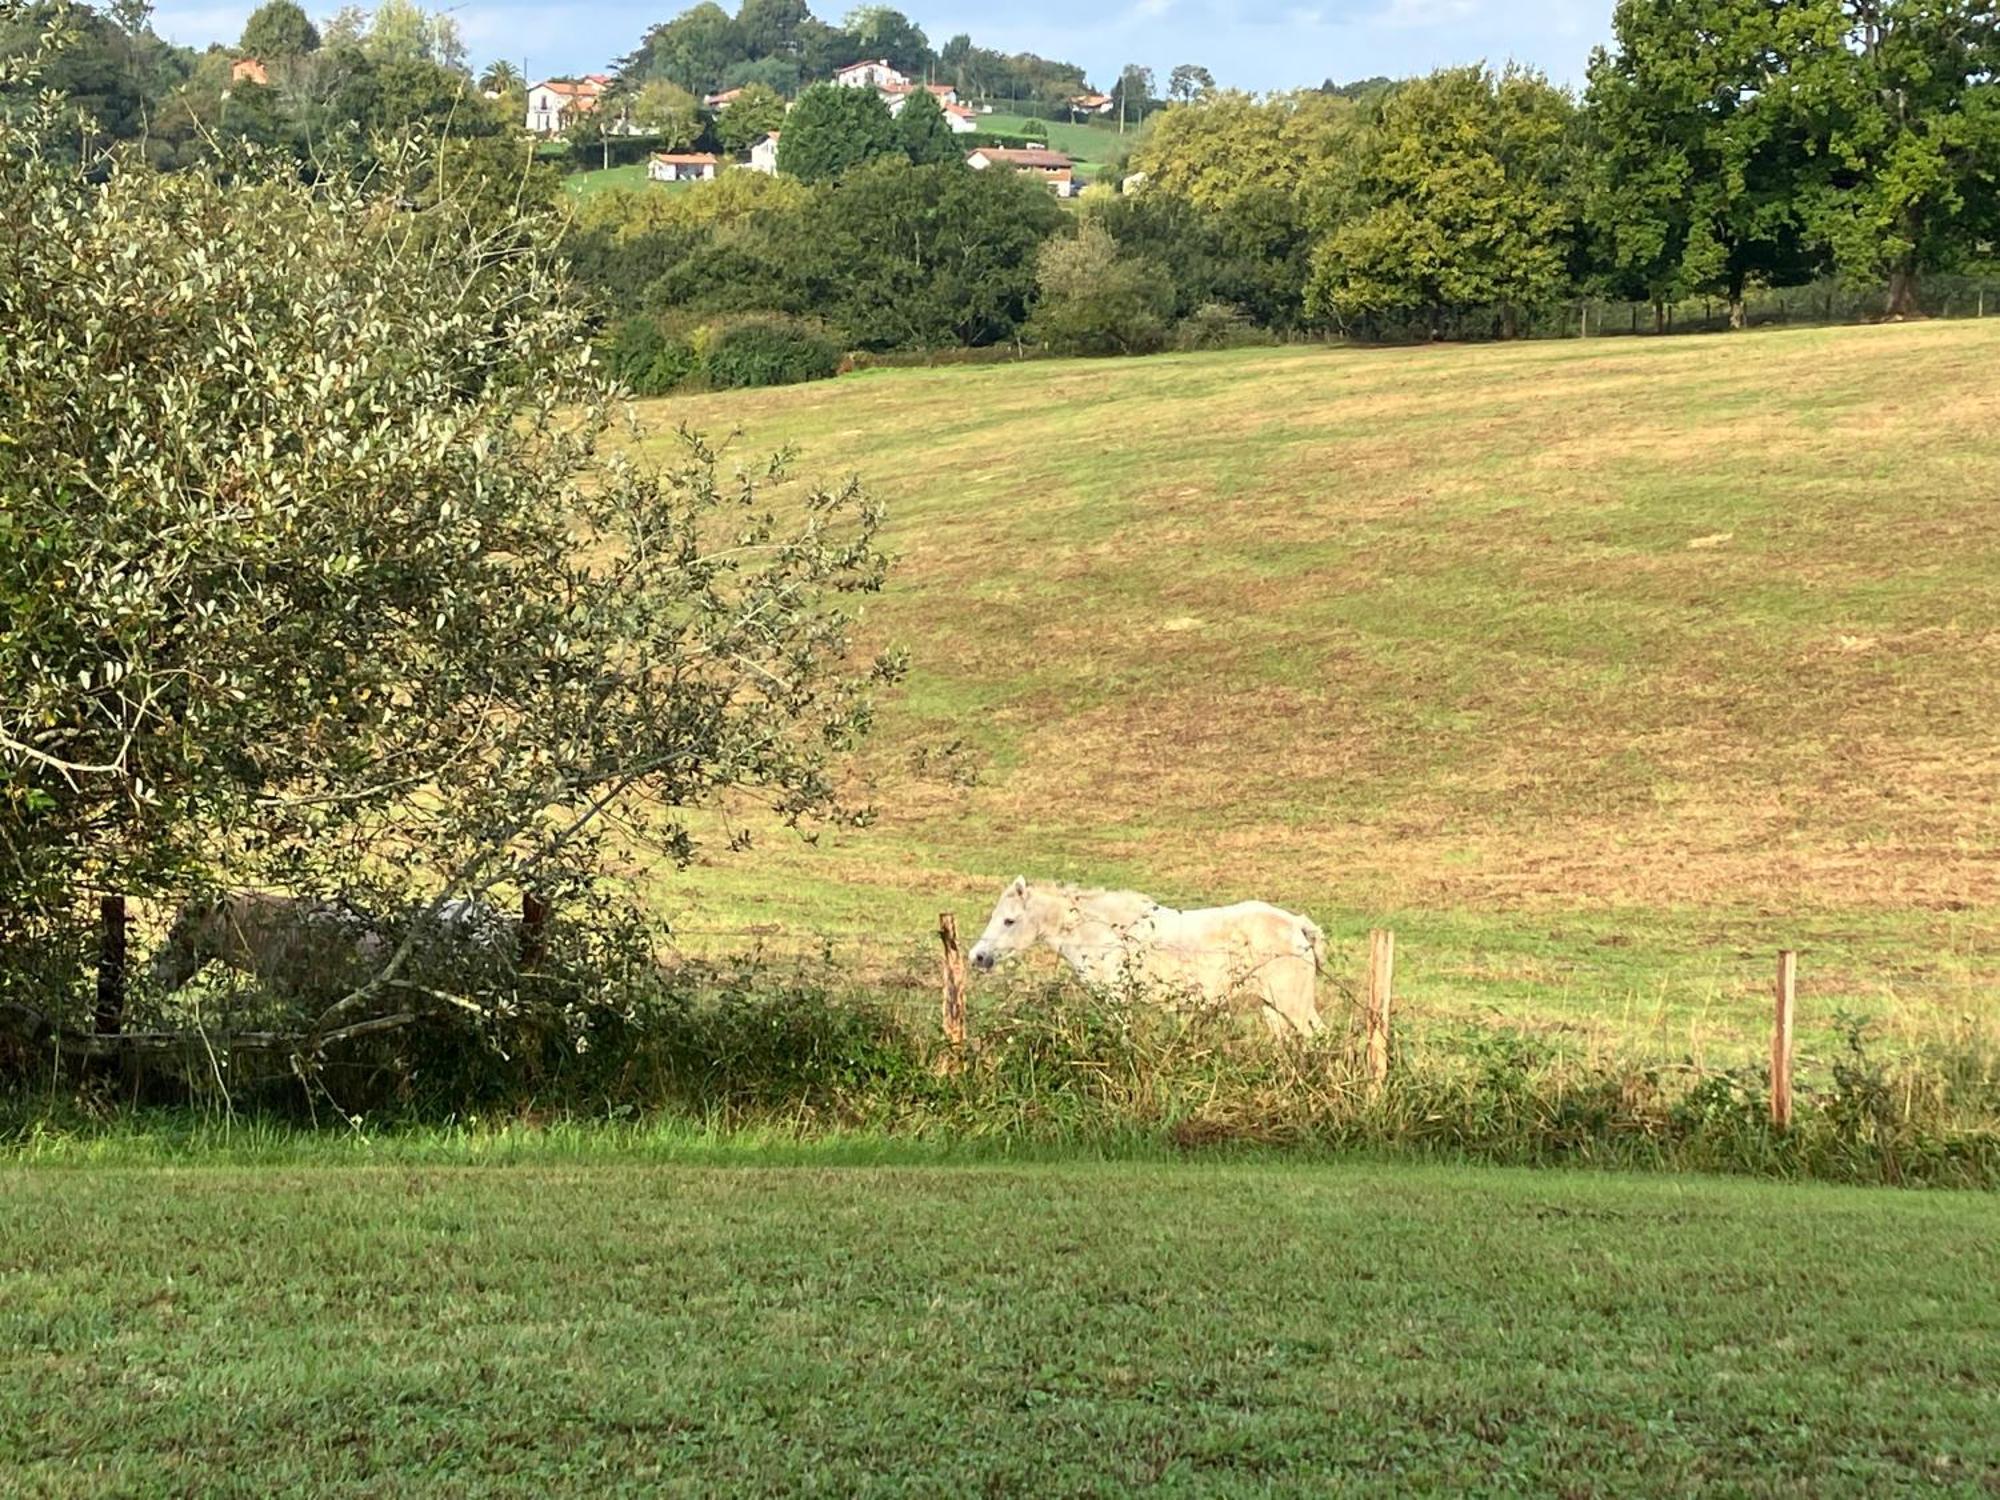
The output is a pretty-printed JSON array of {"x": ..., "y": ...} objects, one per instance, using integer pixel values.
[{"x": 1599, "y": 670}]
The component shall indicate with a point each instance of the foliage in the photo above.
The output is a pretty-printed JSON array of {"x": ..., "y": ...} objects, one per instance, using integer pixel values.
[
  {"x": 279, "y": 29},
  {"x": 1189, "y": 82},
  {"x": 694, "y": 50},
  {"x": 1093, "y": 298},
  {"x": 748, "y": 118},
  {"x": 880, "y": 31},
  {"x": 774, "y": 28},
  {"x": 1459, "y": 200},
  {"x": 1905, "y": 97},
  {"x": 501, "y": 77},
  {"x": 920, "y": 257},
  {"x": 980, "y": 73},
  {"x": 767, "y": 350},
  {"x": 832, "y": 130},
  {"x": 668, "y": 113},
  {"x": 1215, "y": 325},
  {"x": 648, "y": 361},
  {"x": 1693, "y": 182},
  {"x": 923, "y": 134},
  {"x": 293, "y": 476}
]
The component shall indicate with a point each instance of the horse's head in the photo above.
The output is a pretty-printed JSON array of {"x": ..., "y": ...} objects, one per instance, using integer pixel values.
[{"x": 1023, "y": 918}]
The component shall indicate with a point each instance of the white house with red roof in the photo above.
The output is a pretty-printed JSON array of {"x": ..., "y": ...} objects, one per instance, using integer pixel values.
[
  {"x": 682, "y": 166},
  {"x": 764, "y": 155},
  {"x": 555, "y": 103},
  {"x": 1054, "y": 168},
  {"x": 875, "y": 73}
]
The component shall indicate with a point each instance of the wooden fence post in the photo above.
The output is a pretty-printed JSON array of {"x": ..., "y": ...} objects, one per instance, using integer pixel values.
[
  {"x": 1781, "y": 1041},
  {"x": 111, "y": 948},
  {"x": 534, "y": 929},
  {"x": 1381, "y": 982},
  {"x": 954, "y": 982}
]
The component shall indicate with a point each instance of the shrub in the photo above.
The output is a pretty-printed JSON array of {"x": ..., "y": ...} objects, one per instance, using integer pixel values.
[
  {"x": 1216, "y": 325},
  {"x": 647, "y": 360},
  {"x": 770, "y": 350},
  {"x": 1096, "y": 299}
]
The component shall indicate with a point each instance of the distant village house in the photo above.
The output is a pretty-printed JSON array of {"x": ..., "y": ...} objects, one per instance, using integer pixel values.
[
  {"x": 1054, "y": 168},
  {"x": 682, "y": 166},
  {"x": 554, "y": 104},
  {"x": 764, "y": 154},
  {"x": 249, "y": 70},
  {"x": 873, "y": 74}
]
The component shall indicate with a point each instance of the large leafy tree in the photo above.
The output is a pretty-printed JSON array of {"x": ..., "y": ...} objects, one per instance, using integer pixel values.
[
  {"x": 1460, "y": 201},
  {"x": 279, "y": 29},
  {"x": 832, "y": 130},
  {"x": 1694, "y": 167},
  {"x": 880, "y": 31},
  {"x": 1902, "y": 101},
  {"x": 924, "y": 134},
  {"x": 294, "y": 479},
  {"x": 695, "y": 50},
  {"x": 668, "y": 112},
  {"x": 749, "y": 117},
  {"x": 903, "y": 256},
  {"x": 1189, "y": 82},
  {"x": 773, "y": 28}
]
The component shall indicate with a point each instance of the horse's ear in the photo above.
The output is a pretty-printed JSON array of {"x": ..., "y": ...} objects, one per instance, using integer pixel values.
[{"x": 1021, "y": 884}]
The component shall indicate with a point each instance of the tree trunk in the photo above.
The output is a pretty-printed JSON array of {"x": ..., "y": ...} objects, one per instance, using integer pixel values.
[
  {"x": 1903, "y": 292},
  {"x": 1510, "y": 322},
  {"x": 1738, "y": 318},
  {"x": 1659, "y": 315}
]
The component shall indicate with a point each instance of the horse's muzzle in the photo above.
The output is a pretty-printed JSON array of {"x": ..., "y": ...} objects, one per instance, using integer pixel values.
[{"x": 983, "y": 961}]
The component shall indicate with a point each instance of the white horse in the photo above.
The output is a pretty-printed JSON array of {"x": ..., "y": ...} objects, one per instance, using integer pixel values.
[{"x": 1247, "y": 954}]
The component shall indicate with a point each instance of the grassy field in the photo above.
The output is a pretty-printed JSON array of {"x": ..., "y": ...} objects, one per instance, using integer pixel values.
[
  {"x": 1088, "y": 144},
  {"x": 605, "y": 180},
  {"x": 1598, "y": 670},
  {"x": 615, "y": 1326}
]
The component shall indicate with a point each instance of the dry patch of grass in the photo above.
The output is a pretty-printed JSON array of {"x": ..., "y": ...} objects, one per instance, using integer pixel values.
[{"x": 1665, "y": 634}]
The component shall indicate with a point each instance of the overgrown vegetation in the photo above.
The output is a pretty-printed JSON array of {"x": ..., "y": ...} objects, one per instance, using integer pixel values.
[
  {"x": 319, "y": 573},
  {"x": 758, "y": 1050}
]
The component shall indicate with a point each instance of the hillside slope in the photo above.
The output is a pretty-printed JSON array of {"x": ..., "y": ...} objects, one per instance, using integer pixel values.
[{"x": 1600, "y": 668}]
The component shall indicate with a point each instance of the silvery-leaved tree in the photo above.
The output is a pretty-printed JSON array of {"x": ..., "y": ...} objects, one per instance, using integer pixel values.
[{"x": 324, "y": 563}]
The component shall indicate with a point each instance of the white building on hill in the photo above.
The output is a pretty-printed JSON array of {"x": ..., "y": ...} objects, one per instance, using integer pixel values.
[
  {"x": 876, "y": 73},
  {"x": 553, "y": 104},
  {"x": 682, "y": 166}
]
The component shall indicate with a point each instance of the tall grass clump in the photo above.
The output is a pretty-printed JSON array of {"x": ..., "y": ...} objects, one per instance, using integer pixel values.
[{"x": 751, "y": 1050}]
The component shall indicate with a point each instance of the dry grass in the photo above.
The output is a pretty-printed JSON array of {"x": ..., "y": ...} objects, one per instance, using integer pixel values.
[{"x": 1682, "y": 650}]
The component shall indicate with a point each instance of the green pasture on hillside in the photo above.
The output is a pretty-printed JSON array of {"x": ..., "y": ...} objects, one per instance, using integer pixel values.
[
  {"x": 603, "y": 1326},
  {"x": 1089, "y": 145},
  {"x": 1599, "y": 670}
]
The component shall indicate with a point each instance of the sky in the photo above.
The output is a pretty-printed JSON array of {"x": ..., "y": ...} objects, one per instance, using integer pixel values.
[{"x": 1248, "y": 44}]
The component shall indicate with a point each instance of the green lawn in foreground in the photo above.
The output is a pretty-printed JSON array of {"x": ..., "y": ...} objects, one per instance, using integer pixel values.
[
  {"x": 1600, "y": 670},
  {"x": 628, "y": 1328}
]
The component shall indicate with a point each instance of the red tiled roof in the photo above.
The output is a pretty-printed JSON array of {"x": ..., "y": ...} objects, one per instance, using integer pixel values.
[{"x": 688, "y": 158}]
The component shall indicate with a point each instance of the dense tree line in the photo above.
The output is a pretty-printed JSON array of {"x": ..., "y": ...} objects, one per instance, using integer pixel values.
[
  {"x": 783, "y": 46},
  {"x": 1720, "y": 145}
]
